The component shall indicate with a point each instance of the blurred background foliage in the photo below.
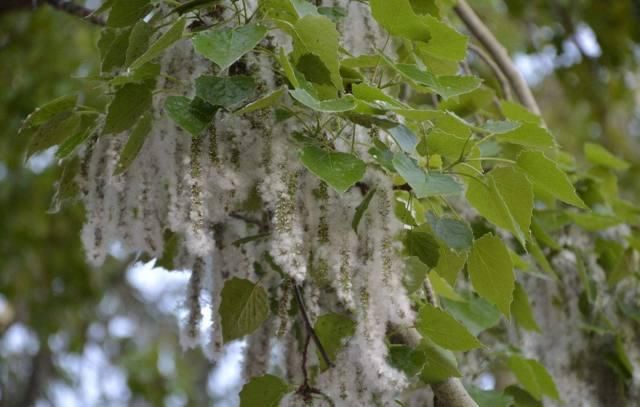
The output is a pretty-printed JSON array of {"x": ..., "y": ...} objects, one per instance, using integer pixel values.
[{"x": 62, "y": 323}]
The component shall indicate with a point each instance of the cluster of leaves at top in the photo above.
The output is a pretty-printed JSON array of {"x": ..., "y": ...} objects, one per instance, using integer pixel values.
[{"x": 504, "y": 162}]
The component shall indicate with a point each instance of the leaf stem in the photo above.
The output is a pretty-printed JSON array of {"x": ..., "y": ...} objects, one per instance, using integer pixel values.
[{"x": 309, "y": 327}]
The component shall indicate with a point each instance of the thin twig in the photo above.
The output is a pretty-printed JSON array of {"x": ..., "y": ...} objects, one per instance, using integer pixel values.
[
  {"x": 70, "y": 7},
  {"x": 504, "y": 82},
  {"x": 309, "y": 327},
  {"x": 498, "y": 53}
]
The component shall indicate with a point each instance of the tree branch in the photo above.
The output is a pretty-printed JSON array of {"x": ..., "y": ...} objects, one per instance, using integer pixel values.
[
  {"x": 504, "y": 82},
  {"x": 76, "y": 10},
  {"x": 309, "y": 327},
  {"x": 498, "y": 53}
]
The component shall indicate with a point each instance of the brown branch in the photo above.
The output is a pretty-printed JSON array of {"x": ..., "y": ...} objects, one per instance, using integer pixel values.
[
  {"x": 309, "y": 327},
  {"x": 76, "y": 10},
  {"x": 498, "y": 53},
  {"x": 504, "y": 82}
]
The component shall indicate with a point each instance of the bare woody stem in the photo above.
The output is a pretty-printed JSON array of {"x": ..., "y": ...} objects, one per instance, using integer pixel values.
[
  {"x": 498, "y": 53},
  {"x": 309, "y": 327}
]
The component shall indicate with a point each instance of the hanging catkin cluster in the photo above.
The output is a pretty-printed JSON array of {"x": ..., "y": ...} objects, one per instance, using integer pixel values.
[{"x": 199, "y": 189}]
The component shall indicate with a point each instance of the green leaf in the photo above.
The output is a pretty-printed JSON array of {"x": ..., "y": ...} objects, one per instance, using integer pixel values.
[
  {"x": 172, "y": 35},
  {"x": 411, "y": 173},
  {"x": 521, "y": 310},
  {"x": 444, "y": 330},
  {"x": 546, "y": 175},
  {"x": 267, "y": 390},
  {"x": 442, "y": 288},
  {"x": 226, "y": 92},
  {"x": 399, "y": 19},
  {"x": 289, "y": 73},
  {"x": 134, "y": 143},
  {"x": 243, "y": 308},
  {"x": 490, "y": 398},
  {"x": 445, "y": 86},
  {"x": 505, "y": 199},
  {"x": 332, "y": 330},
  {"x": 593, "y": 221},
  {"x": 404, "y": 137},
  {"x": 86, "y": 127},
  {"x": 113, "y": 45},
  {"x": 138, "y": 41},
  {"x": 449, "y": 264},
  {"x": 129, "y": 103},
  {"x": 263, "y": 103},
  {"x": 343, "y": 104},
  {"x": 475, "y": 313},
  {"x": 446, "y": 43},
  {"x": 127, "y": 12},
  {"x": 415, "y": 274},
  {"x": 517, "y": 112},
  {"x": 410, "y": 361},
  {"x": 533, "y": 377},
  {"x": 491, "y": 272},
  {"x": 226, "y": 46},
  {"x": 423, "y": 246},
  {"x": 49, "y": 110},
  {"x": 528, "y": 135},
  {"x": 499, "y": 127},
  {"x": 440, "y": 364},
  {"x": 361, "y": 209},
  {"x": 422, "y": 184},
  {"x": 193, "y": 116},
  {"x": 53, "y": 132},
  {"x": 339, "y": 170},
  {"x": 598, "y": 155},
  {"x": 456, "y": 234},
  {"x": 319, "y": 36}
]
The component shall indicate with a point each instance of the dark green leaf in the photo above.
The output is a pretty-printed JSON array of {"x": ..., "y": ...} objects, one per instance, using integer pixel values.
[
  {"x": 339, "y": 170},
  {"x": 129, "y": 103},
  {"x": 533, "y": 377},
  {"x": 138, "y": 41},
  {"x": 127, "y": 12},
  {"x": 226, "y": 92},
  {"x": 266, "y": 390},
  {"x": 226, "y": 46},
  {"x": 134, "y": 143},
  {"x": 193, "y": 116},
  {"x": 53, "y": 132},
  {"x": 172, "y": 35},
  {"x": 410, "y": 361},
  {"x": 263, "y": 103},
  {"x": 244, "y": 306},
  {"x": 332, "y": 330},
  {"x": 47, "y": 111},
  {"x": 422, "y": 245},
  {"x": 361, "y": 209}
]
